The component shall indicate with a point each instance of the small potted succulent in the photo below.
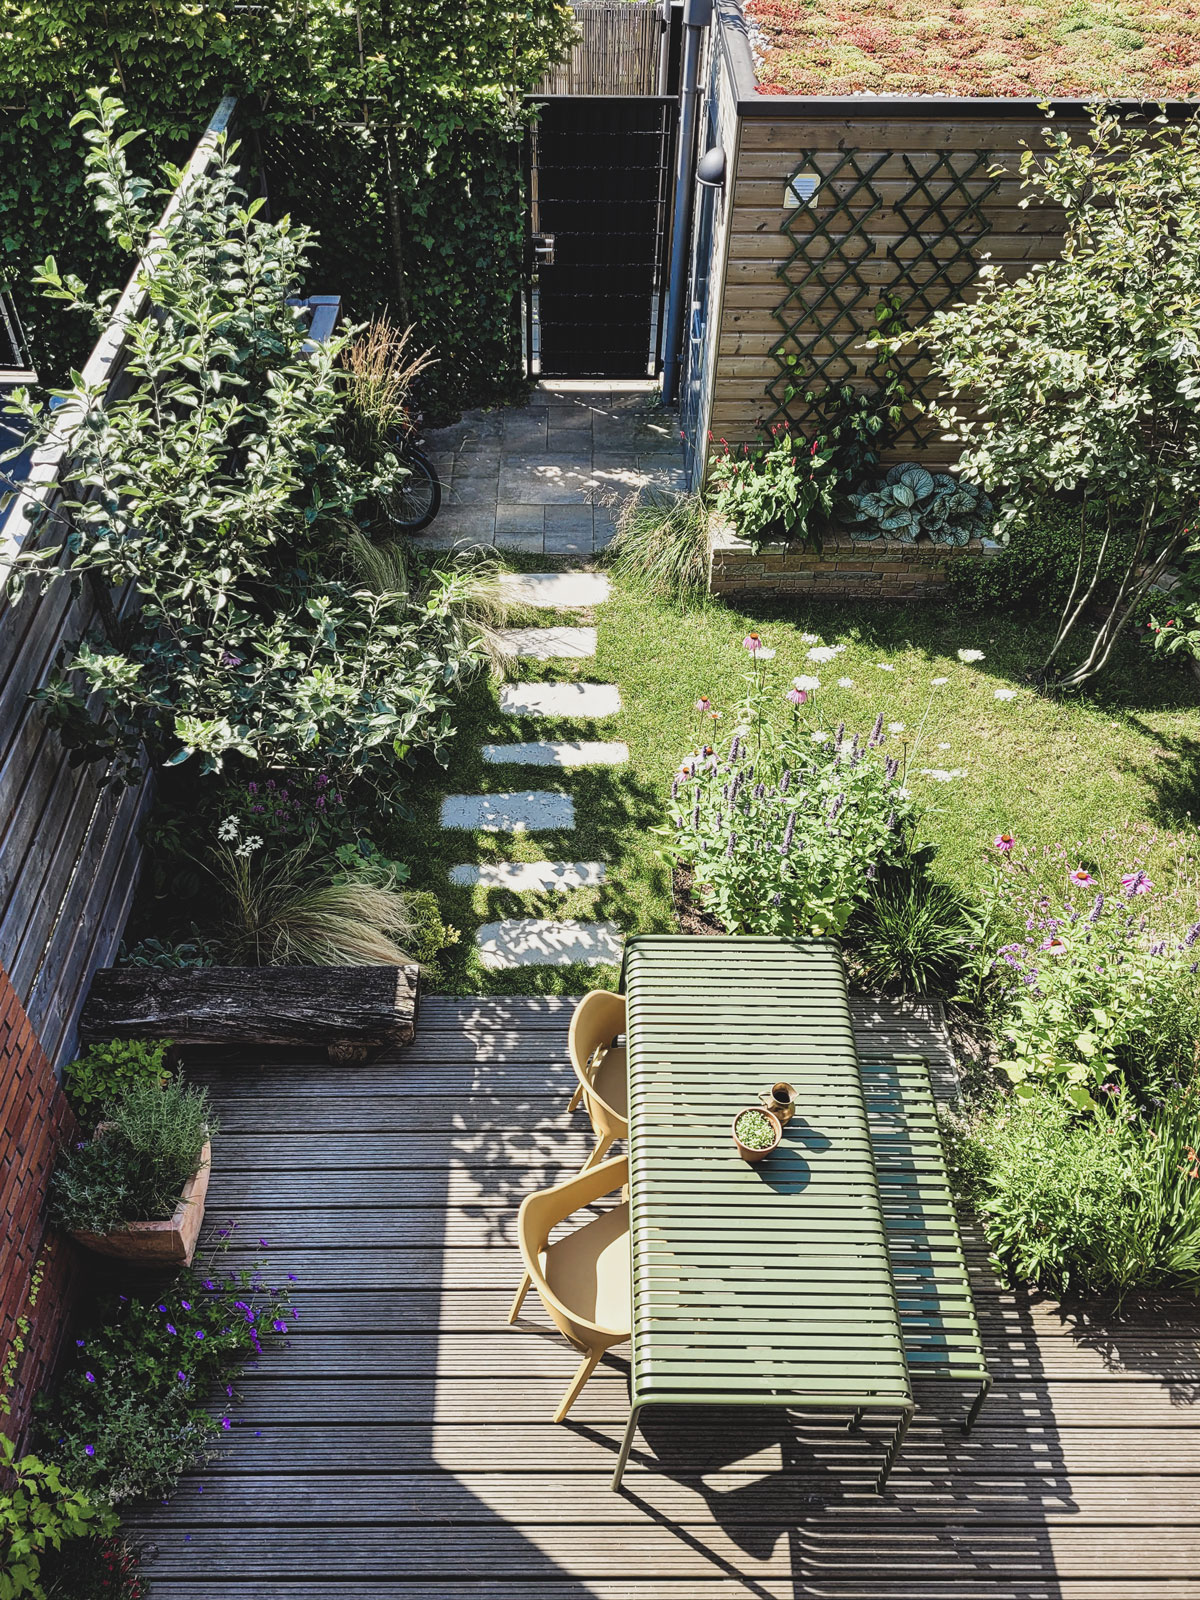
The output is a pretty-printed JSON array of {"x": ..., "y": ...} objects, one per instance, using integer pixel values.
[
  {"x": 756, "y": 1132},
  {"x": 136, "y": 1189}
]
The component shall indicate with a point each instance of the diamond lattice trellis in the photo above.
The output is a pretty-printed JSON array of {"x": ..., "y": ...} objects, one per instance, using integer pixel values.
[{"x": 840, "y": 265}]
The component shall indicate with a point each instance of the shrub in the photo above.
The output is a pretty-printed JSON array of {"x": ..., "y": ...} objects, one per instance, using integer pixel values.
[
  {"x": 94, "y": 1569},
  {"x": 786, "y": 831},
  {"x": 1087, "y": 1201},
  {"x": 129, "y": 1415},
  {"x": 285, "y": 908},
  {"x": 1032, "y": 573},
  {"x": 39, "y": 1514},
  {"x": 105, "y": 1071},
  {"x": 661, "y": 544},
  {"x": 134, "y": 1170},
  {"x": 910, "y": 932},
  {"x": 166, "y": 955},
  {"x": 432, "y": 934},
  {"x": 782, "y": 487}
]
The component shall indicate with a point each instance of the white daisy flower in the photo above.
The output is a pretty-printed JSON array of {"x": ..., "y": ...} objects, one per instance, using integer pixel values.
[
  {"x": 825, "y": 653},
  {"x": 804, "y": 682},
  {"x": 943, "y": 747},
  {"x": 937, "y": 682},
  {"x": 1005, "y": 694},
  {"x": 885, "y": 666},
  {"x": 248, "y": 846},
  {"x": 970, "y": 655},
  {"x": 845, "y": 683},
  {"x": 895, "y": 727},
  {"x": 819, "y": 738},
  {"x": 810, "y": 638},
  {"x": 763, "y": 654},
  {"x": 940, "y": 774},
  {"x": 228, "y": 830}
]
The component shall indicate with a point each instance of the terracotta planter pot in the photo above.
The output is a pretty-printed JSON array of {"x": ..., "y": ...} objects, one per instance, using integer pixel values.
[
  {"x": 154, "y": 1244},
  {"x": 747, "y": 1152}
]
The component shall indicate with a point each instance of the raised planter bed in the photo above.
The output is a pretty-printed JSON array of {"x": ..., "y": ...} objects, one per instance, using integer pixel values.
[
  {"x": 171, "y": 1242},
  {"x": 843, "y": 568},
  {"x": 352, "y": 1011}
]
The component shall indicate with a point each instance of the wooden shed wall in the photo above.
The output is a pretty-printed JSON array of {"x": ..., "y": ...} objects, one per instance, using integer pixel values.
[{"x": 762, "y": 265}]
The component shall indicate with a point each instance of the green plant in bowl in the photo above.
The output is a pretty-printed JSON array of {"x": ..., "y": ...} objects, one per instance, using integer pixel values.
[{"x": 756, "y": 1133}]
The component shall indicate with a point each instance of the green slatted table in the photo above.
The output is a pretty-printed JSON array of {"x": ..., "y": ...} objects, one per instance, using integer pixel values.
[{"x": 762, "y": 1284}]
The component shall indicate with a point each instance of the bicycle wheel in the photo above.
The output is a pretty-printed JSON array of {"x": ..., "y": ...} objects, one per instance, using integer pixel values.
[{"x": 416, "y": 499}]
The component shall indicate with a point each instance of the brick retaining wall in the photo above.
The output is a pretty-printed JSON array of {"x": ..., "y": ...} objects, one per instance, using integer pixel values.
[
  {"x": 844, "y": 568},
  {"x": 36, "y": 1120}
]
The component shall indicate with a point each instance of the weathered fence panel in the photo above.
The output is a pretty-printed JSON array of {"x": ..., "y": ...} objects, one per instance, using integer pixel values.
[{"x": 618, "y": 51}]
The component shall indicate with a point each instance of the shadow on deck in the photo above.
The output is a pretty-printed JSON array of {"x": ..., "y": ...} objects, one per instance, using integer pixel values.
[{"x": 401, "y": 1448}]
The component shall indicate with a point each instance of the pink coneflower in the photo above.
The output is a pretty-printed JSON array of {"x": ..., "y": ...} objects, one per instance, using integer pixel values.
[
  {"x": 703, "y": 704},
  {"x": 752, "y": 642},
  {"x": 1054, "y": 947},
  {"x": 1081, "y": 878},
  {"x": 1135, "y": 883},
  {"x": 1004, "y": 843},
  {"x": 798, "y": 697}
]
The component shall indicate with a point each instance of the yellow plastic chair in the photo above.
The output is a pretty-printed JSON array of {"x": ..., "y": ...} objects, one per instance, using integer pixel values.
[
  {"x": 584, "y": 1279},
  {"x": 599, "y": 1064}
]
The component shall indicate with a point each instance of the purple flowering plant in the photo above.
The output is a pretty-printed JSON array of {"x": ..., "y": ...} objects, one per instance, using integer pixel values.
[
  {"x": 783, "y": 827},
  {"x": 136, "y": 1392},
  {"x": 1096, "y": 984}
]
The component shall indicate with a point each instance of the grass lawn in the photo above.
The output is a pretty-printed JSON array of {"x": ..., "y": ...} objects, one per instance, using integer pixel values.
[{"x": 1046, "y": 771}]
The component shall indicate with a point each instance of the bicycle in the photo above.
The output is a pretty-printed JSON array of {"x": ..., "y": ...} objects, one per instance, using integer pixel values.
[{"x": 417, "y": 498}]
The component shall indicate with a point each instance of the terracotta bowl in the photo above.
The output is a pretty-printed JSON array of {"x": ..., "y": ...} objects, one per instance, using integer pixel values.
[{"x": 746, "y": 1152}]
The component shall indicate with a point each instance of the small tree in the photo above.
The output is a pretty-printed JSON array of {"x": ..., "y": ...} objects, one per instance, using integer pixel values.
[{"x": 1084, "y": 374}]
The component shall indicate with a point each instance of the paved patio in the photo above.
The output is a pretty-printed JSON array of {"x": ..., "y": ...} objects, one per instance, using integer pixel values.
[{"x": 547, "y": 478}]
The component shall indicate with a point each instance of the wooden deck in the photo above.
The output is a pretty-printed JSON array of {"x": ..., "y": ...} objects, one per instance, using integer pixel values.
[{"x": 401, "y": 1448}]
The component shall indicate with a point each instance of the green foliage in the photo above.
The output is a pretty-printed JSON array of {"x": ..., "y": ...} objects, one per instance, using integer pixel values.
[
  {"x": 786, "y": 831},
  {"x": 129, "y": 1414},
  {"x": 911, "y": 502},
  {"x": 135, "y": 1169},
  {"x": 417, "y": 118},
  {"x": 431, "y": 935},
  {"x": 104, "y": 1071},
  {"x": 219, "y": 477},
  {"x": 1031, "y": 574},
  {"x": 287, "y": 907},
  {"x": 166, "y": 955},
  {"x": 38, "y": 1515},
  {"x": 661, "y": 544},
  {"x": 1090, "y": 363},
  {"x": 1092, "y": 1201},
  {"x": 94, "y": 1569},
  {"x": 779, "y": 488},
  {"x": 911, "y": 932},
  {"x": 755, "y": 1132}
]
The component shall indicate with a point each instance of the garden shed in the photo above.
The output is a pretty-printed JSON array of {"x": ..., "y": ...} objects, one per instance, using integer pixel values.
[{"x": 822, "y": 205}]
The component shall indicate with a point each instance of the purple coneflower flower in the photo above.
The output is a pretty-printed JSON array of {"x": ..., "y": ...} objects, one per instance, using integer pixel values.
[
  {"x": 798, "y": 697},
  {"x": 1003, "y": 842},
  {"x": 1135, "y": 883}
]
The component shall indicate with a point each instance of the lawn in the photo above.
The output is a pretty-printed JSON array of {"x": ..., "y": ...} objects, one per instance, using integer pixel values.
[
  {"x": 1124, "y": 759},
  {"x": 1074, "y": 48}
]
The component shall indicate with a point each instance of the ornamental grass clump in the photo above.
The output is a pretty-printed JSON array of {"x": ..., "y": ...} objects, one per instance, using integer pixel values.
[{"x": 786, "y": 829}]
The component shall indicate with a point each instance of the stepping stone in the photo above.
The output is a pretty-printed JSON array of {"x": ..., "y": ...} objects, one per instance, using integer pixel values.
[
  {"x": 548, "y": 644},
  {"x": 560, "y": 699},
  {"x": 532, "y": 942},
  {"x": 531, "y": 811},
  {"x": 569, "y": 591},
  {"x": 530, "y": 876},
  {"x": 573, "y": 753}
]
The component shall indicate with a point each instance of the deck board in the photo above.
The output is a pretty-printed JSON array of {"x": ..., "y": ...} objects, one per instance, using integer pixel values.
[{"x": 400, "y": 1448}]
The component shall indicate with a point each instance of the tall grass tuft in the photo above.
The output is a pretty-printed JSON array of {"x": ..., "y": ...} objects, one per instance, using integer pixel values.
[
  {"x": 911, "y": 933},
  {"x": 380, "y": 366},
  {"x": 661, "y": 544}
]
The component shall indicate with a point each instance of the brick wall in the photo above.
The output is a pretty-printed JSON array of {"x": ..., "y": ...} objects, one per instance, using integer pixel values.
[
  {"x": 844, "y": 568},
  {"x": 35, "y": 1120}
]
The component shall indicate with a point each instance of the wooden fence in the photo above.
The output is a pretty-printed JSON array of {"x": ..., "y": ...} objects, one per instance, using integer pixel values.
[
  {"x": 69, "y": 840},
  {"x": 618, "y": 51}
]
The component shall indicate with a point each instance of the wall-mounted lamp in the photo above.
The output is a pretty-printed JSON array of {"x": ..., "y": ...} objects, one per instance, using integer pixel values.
[{"x": 710, "y": 169}]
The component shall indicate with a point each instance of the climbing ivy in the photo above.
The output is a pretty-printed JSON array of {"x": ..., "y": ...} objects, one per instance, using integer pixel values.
[{"x": 390, "y": 126}]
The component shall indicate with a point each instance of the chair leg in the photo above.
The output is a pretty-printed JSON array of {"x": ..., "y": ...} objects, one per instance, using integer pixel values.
[
  {"x": 518, "y": 1302},
  {"x": 855, "y": 1421},
  {"x": 626, "y": 1443},
  {"x": 573, "y": 1102},
  {"x": 598, "y": 1154},
  {"x": 893, "y": 1450},
  {"x": 586, "y": 1367},
  {"x": 976, "y": 1404}
]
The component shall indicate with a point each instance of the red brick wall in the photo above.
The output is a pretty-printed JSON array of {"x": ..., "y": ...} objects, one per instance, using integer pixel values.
[{"x": 34, "y": 1121}]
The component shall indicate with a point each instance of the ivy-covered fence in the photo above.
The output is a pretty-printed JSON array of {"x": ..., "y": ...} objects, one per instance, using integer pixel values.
[{"x": 392, "y": 126}]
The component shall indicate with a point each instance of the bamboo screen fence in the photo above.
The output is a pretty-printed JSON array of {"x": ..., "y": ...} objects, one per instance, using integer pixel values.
[{"x": 617, "y": 52}]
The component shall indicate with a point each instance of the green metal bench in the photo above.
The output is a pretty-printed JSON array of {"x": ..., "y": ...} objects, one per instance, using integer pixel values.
[{"x": 933, "y": 1291}]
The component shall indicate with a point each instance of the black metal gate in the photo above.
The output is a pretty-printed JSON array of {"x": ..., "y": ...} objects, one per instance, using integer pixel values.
[{"x": 599, "y": 200}]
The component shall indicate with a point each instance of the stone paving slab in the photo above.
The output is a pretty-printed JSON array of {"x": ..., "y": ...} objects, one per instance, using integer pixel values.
[
  {"x": 548, "y": 644},
  {"x": 568, "y": 591},
  {"x": 564, "y": 753},
  {"x": 530, "y": 877},
  {"x": 526, "y": 811},
  {"x": 534, "y": 942},
  {"x": 560, "y": 699}
]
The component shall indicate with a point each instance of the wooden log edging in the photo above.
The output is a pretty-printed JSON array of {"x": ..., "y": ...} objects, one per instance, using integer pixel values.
[{"x": 350, "y": 1011}]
